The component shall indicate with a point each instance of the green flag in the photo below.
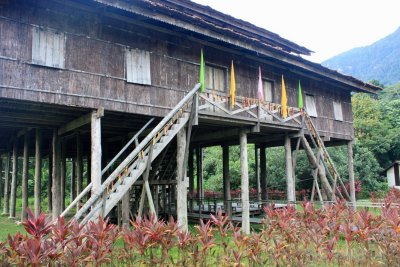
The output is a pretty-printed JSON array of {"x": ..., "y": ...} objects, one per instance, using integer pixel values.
[
  {"x": 300, "y": 99},
  {"x": 202, "y": 79}
]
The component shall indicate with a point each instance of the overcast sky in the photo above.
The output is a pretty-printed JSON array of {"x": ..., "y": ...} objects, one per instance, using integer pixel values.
[{"x": 327, "y": 27}]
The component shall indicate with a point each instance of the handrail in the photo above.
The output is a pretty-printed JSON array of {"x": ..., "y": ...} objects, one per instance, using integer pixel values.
[
  {"x": 136, "y": 151},
  {"x": 89, "y": 186},
  {"x": 126, "y": 146}
]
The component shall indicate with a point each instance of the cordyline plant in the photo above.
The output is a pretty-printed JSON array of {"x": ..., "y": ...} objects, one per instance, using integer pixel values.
[{"x": 333, "y": 235}]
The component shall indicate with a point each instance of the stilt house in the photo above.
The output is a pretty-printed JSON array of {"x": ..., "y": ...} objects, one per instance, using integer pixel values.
[{"x": 110, "y": 89}]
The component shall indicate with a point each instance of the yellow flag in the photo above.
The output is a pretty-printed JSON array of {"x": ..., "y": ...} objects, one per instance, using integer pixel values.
[
  {"x": 284, "y": 99},
  {"x": 233, "y": 87}
]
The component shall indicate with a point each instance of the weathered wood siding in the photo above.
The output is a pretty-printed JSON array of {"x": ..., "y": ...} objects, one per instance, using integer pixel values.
[{"x": 94, "y": 74}]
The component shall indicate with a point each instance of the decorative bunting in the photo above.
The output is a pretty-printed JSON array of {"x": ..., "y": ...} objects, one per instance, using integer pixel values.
[
  {"x": 233, "y": 87},
  {"x": 300, "y": 98},
  {"x": 202, "y": 77},
  {"x": 260, "y": 91},
  {"x": 284, "y": 100}
]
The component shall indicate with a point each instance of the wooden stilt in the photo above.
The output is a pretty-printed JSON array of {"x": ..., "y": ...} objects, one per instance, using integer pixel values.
[
  {"x": 125, "y": 206},
  {"x": 199, "y": 159},
  {"x": 191, "y": 179},
  {"x": 226, "y": 181},
  {"x": 6, "y": 191},
  {"x": 56, "y": 188},
  {"x": 38, "y": 172},
  {"x": 181, "y": 185},
  {"x": 257, "y": 171},
  {"x": 24, "y": 185},
  {"x": 95, "y": 161},
  {"x": 79, "y": 166},
  {"x": 290, "y": 186},
  {"x": 73, "y": 180},
  {"x": 50, "y": 180},
  {"x": 244, "y": 170},
  {"x": 350, "y": 166},
  {"x": 13, "y": 191},
  {"x": 63, "y": 172},
  {"x": 263, "y": 172}
]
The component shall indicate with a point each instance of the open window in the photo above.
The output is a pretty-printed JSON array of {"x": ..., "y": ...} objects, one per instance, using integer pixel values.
[
  {"x": 311, "y": 107},
  {"x": 337, "y": 110},
  {"x": 215, "y": 78},
  {"x": 138, "y": 66},
  {"x": 48, "y": 48}
]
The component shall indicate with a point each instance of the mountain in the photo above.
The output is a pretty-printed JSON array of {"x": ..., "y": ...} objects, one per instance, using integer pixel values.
[{"x": 378, "y": 61}]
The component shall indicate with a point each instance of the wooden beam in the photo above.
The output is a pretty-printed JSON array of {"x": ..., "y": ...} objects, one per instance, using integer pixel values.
[
  {"x": 79, "y": 122},
  {"x": 257, "y": 171},
  {"x": 50, "y": 180},
  {"x": 38, "y": 172},
  {"x": 191, "y": 179},
  {"x": 244, "y": 170},
  {"x": 181, "y": 186},
  {"x": 25, "y": 165},
  {"x": 125, "y": 206},
  {"x": 13, "y": 191}
]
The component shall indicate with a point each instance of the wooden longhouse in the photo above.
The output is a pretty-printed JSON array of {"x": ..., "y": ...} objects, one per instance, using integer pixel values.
[{"x": 82, "y": 79}]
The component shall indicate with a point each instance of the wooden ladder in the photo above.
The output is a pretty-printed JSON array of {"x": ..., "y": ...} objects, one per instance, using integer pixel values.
[{"x": 323, "y": 155}]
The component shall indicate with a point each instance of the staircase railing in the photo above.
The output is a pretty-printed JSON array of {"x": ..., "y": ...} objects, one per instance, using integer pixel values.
[
  {"x": 324, "y": 155},
  {"x": 89, "y": 186},
  {"x": 139, "y": 152}
]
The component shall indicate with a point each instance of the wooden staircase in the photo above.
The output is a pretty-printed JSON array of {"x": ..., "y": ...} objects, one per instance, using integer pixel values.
[{"x": 136, "y": 164}]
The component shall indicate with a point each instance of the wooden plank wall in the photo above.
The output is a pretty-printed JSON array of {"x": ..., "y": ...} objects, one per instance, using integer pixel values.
[{"x": 94, "y": 73}]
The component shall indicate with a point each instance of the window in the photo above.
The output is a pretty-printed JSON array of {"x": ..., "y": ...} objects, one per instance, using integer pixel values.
[
  {"x": 337, "y": 110},
  {"x": 48, "y": 48},
  {"x": 215, "y": 78},
  {"x": 268, "y": 87},
  {"x": 137, "y": 66},
  {"x": 310, "y": 105}
]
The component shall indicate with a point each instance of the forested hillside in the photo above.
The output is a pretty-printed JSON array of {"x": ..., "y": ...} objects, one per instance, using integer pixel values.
[
  {"x": 377, "y": 124},
  {"x": 378, "y": 61}
]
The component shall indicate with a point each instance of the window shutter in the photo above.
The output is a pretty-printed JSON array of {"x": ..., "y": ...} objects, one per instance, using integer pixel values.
[
  {"x": 337, "y": 110},
  {"x": 48, "y": 48},
  {"x": 138, "y": 66},
  {"x": 310, "y": 106}
]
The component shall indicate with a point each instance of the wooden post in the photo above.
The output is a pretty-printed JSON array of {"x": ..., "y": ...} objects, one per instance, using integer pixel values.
[
  {"x": 263, "y": 173},
  {"x": 191, "y": 179},
  {"x": 73, "y": 180},
  {"x": 25, "y": 165},
  {"x": 63, "y": 172},
  {"x": 79, "y": 166},
  {"x": 6, "y": 190},
  {"x": 13, "y": 190},
  {"x": 56, "y": 186},
  {"x": 95, "y": 159},
  {"x": 351, "y": 172},
  {"x": 199, "y": 159},
  {"x": 50, "y": 180},
  {"x": 257, "y": 172},
  {"x": 181, "y": 181},
  {"x": 125, "y": 206},
  {"x": 226, "y": 181},
  {"x": 1, "y": 178},
  {"x": 290, "y": 186},
  {"x": 244, "y": 169},
  {"x": 38, "y": 172}
]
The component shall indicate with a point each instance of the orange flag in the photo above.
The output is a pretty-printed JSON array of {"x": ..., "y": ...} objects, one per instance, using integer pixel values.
[
  {"x": 284, "y": 100},
  {"x": 233, "y": 87}
]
